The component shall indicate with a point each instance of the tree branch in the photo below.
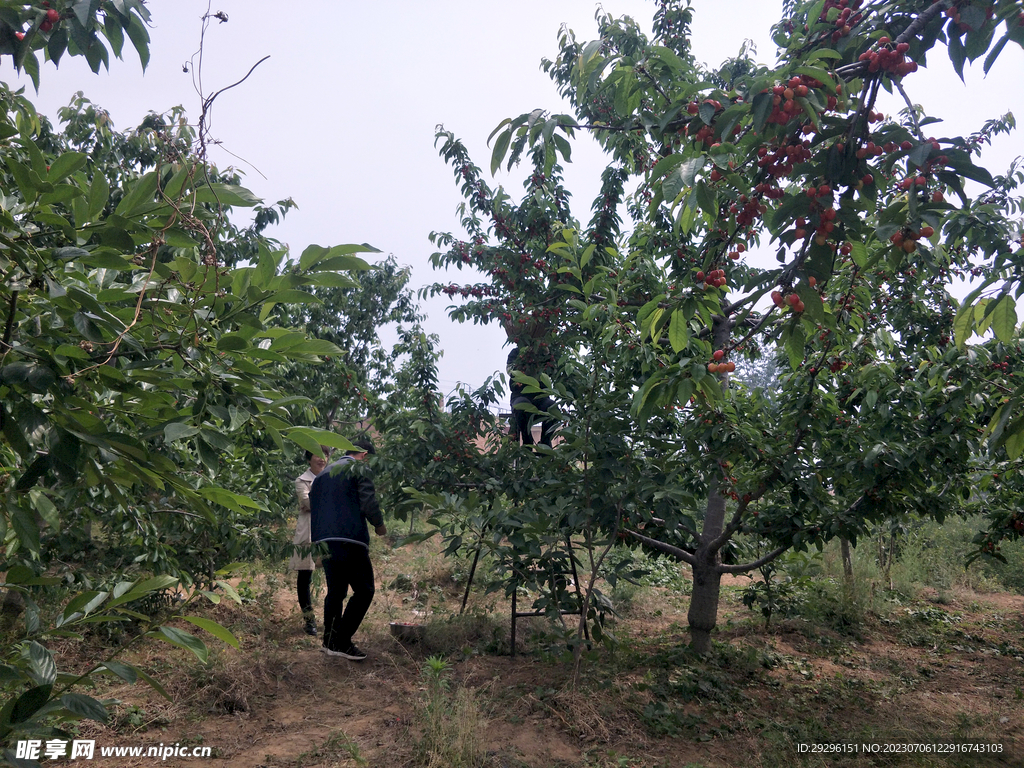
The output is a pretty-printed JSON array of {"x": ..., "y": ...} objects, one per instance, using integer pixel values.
[
  {"x": 910, "y": 106},
  {"x": 858, "y": 67},
  {"x": 9, "y": 327},
  {"x": 743, "y": 568},
  {"x": 668, "y": 549}
]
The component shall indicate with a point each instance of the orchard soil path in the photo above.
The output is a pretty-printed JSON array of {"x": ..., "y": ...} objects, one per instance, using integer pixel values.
[{"x": 924, "y": 673}]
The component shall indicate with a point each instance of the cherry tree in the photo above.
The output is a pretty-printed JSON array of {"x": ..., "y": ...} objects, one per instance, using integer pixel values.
[{"x": 881, "y": 408}]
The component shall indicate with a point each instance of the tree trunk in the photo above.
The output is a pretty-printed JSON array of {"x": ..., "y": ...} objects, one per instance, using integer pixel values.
[
  {"x": 707, "y": 579},
  {"x": 844, "y": 546},
  {"x": 703, "y": 613}
]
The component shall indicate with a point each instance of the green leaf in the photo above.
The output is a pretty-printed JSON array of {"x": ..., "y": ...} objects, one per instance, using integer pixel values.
[
  {"x": 812, "y": 302},
  {"x": 678, "y": 331},
  {"x": 963, "y": 326},
  {"x": 688, "y": 171},
  {"x": 823, "y": 53},
  {"x": 232, "y": 342},
  {"x": 872, "y": 455},
  {"x": 707, "y": 199},
  {"x": 99, "y": 193},
  {"x": 818, "y": 74},
  {"x": 114, "y": 32},
  {"x": 152, "y": 683},
  {"x": 226, "y": 194},
  {"x": 155, "y": 584},
  {"x": 178, "y": 431},
  {"x": 339, "y": 257},
  {"x": 65, "y": 165},
  {"x": 665, "y": 165},
  {"x": 229, "y": 591},
  {"x": 46, "y": 509},
  {"x": 57, "y": 45},
  {"x": 973, "y": 16},
  {"x": 30, "y": 702},
  {"x": 226, "y": 498},
  {"x": 795, "y": 346},
  {"x": 141, "y": 195},
  {"x": 84, "y": 706},
  {"x": 140, "y": 39},
  {"x": 23, "y": 178},
  {"x": 183, "y": 639},
  {"x": 82, "y": 9},
  {"x": 265, "y": 270},
  {"x": 125, "y": 671},
  {"x": 62, "y": 193},
  {"x": 1004, "y": 318},
  {"x": 642, "y": 404},
  {"x": 957, "y": 55},
  {"x": 214, "y": 629},
  {"x": 500, "y": 148},
  {"x": 311, "y": 438},
  {"x": 996, "y": 50},
  {"x": 1014, "y": 444},
  {"x": 41, "y": 666},
  {"x": 761, "y": 110},
  {"x": 24, "y": 523}
]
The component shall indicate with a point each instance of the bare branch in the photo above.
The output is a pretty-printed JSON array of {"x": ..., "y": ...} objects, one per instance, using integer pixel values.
[
  {"x": 668, "y": 549},
  {"x": 910, "y": 107},
  {"x": 744, "y": 567}
]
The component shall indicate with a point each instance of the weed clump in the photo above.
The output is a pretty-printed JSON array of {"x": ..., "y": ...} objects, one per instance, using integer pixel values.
[{"x": 451, "y": 721}]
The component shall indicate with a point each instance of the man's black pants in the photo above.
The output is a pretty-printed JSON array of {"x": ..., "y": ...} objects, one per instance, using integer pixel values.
[
  {"x": 346, "y": 565},
  {"x": 524, "y": 421}
]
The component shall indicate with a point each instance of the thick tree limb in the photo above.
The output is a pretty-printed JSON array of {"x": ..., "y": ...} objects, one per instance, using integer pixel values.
[
  {"x": 744, "y": 567},
  {"x": 668, "y": 549}
]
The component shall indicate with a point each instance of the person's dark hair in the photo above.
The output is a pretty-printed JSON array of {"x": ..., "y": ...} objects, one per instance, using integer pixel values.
[
  {"x": 363, "y": 444},
  {"x": 323, "y": 448}
]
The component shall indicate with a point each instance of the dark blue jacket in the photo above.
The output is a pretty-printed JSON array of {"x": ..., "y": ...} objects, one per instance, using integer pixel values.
[{"x": 341, "y": 500}]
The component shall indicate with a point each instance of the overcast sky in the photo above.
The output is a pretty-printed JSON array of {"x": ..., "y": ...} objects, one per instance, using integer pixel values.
[{"x": 341, "y": 117}]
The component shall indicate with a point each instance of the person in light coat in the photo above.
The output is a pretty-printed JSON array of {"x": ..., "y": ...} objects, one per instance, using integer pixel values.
[{"x": 302, "y": 558}]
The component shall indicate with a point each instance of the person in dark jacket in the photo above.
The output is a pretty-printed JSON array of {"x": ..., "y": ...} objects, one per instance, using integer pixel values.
[
  {"x": 521, "y": 419},
  {"x": 341, "y": 501}
]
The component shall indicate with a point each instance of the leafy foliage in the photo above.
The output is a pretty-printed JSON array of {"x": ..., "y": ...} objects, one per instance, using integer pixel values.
[
  {"x": 143, "y": 335},
  {"x": 881, "y": 406}
]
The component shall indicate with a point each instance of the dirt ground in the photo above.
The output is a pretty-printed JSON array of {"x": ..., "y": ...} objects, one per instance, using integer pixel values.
[{"x": 926, "y": 673}]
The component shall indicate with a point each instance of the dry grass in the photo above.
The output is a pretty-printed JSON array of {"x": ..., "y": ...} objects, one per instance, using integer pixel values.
[{"x": 919, "y": 671}]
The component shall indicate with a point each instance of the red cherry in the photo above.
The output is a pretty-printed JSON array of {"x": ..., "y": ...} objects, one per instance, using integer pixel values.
[{"x": 52, "y": 16}]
